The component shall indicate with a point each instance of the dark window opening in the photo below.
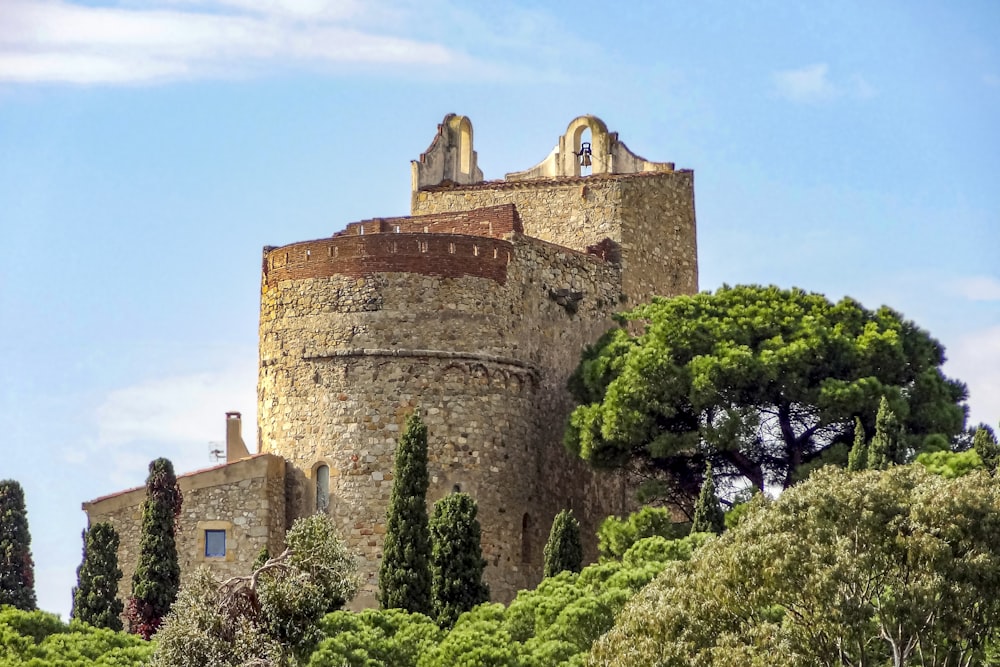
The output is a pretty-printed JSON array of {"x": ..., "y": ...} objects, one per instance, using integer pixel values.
[
  {"x": 215, "y": 544},
  {"x": 322, "y": 488},
  {"x": 526, "y": 538}
]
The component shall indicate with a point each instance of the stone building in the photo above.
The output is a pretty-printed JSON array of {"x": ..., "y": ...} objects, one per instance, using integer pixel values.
[{"x": 474, "y": 310}]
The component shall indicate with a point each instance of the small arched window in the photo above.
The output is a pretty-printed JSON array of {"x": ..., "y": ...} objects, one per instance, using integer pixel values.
[{"x": 322, "y": 488}]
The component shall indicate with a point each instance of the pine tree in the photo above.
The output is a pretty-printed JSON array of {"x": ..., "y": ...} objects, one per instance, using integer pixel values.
[
  {"x": 404, "y": 578},
  {"x": 858, "y": 458},
  {"x": 17, "y": 570},
  {"x": 157, "y": 573},
  {"x": 95, "y": 598},
  {"x": 884, "y": 448},
  {"x": 708, "y": 514},
  {"x": 456, "y": 558},
  {"x": 986, "y": 446},
  {"x": 563, "y": 551}
]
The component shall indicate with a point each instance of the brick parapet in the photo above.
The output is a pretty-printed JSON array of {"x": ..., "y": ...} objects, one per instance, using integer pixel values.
[
  {"x": 490, "y": 221},
  {"x": 444, "y": 255}
]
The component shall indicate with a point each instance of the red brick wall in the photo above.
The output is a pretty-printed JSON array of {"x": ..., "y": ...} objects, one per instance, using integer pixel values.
[
  {"x": 491, "y": 221},
  {"x": 445, "y": 255}
]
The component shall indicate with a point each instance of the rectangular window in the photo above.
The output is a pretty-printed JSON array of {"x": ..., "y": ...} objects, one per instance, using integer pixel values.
[{"x": 215, "y": 544}]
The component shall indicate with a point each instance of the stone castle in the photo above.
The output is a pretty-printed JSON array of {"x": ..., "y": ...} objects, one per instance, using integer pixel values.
[{"x": 475, "y": 310}]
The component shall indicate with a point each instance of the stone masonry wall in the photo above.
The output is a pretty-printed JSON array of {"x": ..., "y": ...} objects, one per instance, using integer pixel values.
[
  {"x": 344, "y": 360},
  {"x": 651, "y": 215},
  {"x": 659, "y": 241},
  {"x": 245, "y": 498}
]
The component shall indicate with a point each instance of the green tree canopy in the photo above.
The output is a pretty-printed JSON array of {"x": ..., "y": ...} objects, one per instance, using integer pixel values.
[
  {"x": 157, "y": 574},
  {"x": 456, "y": 558},
  {"x": 884, "y": 449},
  {"x": 40, "y": 639},
  {"x": 404, "y": 577},
  {"x": 985, "y": 444},
  {"x": 95, "y": 598},
  {"x": 858, "y": 458},
  {"x": 890, "y": 567},
  {"x": 708, "y": 515},
  {"x": 615, "y": 536},
  {"x": 762, "y": 382},
  {"x": 17, "y": 569},
  {"x": 563, "y": 551}
]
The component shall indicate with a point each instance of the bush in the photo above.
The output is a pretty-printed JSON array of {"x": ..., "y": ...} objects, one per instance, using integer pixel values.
[{"x": 615, "y": 536}]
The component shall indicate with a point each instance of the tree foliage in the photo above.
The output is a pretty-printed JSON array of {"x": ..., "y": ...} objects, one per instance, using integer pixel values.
[
  {"x": 858, "y": 458},
  {"x": 404, "y": 577},
  {"x": 985, "y": 444},
  {"x": 373, "y": 638},
  {"x": 616, "y": 536},
  {"x": 951, "y": 464},
  {"x": 563, "y": 550},
  {"x": 17, "y": 569},
  {"x": 456, "y": 558},
  {"x": 884, "y": 449},
  {"x": 95, "y": 598},
  {"x": 708, "y": 515},
  {"x": 764, "y": 383},
  {"x": 157, "y": 573},
  {"x": 40, "y": 639},
  {"x": 554, "y": 624},
  {"x": 269, "y": 617},
  {"x": 873, "y": 568}
]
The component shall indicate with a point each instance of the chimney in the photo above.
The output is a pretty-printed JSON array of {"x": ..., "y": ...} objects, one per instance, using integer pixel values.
[{"x": 236, "y": 449}]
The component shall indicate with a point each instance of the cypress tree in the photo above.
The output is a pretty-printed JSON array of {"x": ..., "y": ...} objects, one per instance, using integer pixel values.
[
  {"x": 95, "y": 598},
  {"x": 986, "y": 446},
  {"x": 404, "y": 578},
  {"x": 17, "y": 570},
  {"x": 456, "y": 558},
  {"x": 884, "y": 448},
  {"x": 157, "y": 574},
  {"x": 858, "y": 458},
  {"x": 563, "y": 551},
  {"x": 708, "y": 514}
]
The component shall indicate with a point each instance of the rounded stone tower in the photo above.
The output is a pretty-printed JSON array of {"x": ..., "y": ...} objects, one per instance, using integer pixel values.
[{"x": 461, "y": 314}]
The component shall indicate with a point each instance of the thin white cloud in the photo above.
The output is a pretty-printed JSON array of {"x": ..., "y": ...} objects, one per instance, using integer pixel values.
[
  {"x": 976, "y": 361},
  {"x": 979, "y": 288},
  {"x": 58, "y": 41},
  {"x": 813, "y": 84},
  {"x": 181, "y": 417}
]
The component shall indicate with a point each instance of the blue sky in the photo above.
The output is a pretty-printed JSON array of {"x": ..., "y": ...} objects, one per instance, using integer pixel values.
[{"x": 150, "y": 148}]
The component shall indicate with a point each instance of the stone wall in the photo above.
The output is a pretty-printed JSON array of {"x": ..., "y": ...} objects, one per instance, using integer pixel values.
[
  {"x": 245, "y": 498},
  {"x": 651, "y": 215},
  {"x": 345, "y": 360}
]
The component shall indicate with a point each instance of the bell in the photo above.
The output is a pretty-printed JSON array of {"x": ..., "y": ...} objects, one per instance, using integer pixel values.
[
  {"x": 585, "y": 160},
  {"x": 584, "y": 154}
]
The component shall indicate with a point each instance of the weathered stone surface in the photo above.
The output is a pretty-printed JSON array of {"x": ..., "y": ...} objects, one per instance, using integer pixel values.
[
  {"x": 478, "y": 358},
  {"x": 245, "y": 498},
  {"x": 474, "y": 310}
]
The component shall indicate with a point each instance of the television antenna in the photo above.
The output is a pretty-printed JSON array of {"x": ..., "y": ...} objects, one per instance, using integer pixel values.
[{"x": 215, "y": 452}]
